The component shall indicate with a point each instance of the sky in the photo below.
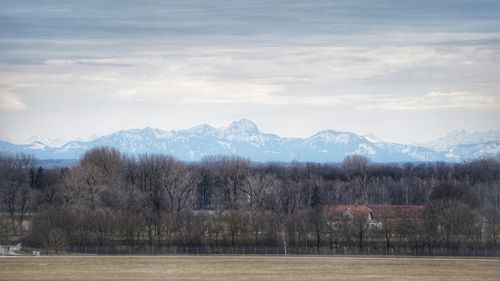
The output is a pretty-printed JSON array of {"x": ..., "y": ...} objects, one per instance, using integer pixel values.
[{"x": 407, "y": 71}]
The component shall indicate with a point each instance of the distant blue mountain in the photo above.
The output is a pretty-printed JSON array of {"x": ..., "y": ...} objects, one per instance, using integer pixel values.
[
  {"x": 464, "y": 145},
  {"x": 241, "y": 138}
]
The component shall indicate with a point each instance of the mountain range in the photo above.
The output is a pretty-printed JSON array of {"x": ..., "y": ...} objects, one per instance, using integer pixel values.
[
  {"x": 243, "y": 138},
  {"x": 462, "y": 145}
]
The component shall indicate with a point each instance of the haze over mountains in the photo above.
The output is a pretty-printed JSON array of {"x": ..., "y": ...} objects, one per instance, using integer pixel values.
[{"x": 243, "y": 138}]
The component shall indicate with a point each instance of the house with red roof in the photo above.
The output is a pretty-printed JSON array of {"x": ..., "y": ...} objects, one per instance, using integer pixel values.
[
  {"x": 348, "y": 213},
  {"x": 375, "y": 215}
]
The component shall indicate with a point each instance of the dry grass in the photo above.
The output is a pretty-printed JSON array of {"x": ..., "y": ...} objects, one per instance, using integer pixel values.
[{"x": 244, "y": 268}]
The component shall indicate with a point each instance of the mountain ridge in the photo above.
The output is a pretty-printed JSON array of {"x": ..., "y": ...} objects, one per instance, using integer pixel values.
[
  {"x": 464, "y": 145},
  {"x": 243, "y": 138}
]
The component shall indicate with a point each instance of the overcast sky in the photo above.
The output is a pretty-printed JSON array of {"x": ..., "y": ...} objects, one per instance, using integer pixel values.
[{"x": 408, "y": 71}]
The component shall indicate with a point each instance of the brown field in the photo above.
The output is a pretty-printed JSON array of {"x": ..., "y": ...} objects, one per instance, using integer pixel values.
[{"x": 245, "y": 268}]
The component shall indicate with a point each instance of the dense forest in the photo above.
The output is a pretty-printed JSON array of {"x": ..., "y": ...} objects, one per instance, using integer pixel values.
[{"x": 112, "y": 199}]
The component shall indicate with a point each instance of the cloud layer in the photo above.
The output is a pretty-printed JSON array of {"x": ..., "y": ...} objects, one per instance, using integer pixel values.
[{"x": 348, "y": 65}]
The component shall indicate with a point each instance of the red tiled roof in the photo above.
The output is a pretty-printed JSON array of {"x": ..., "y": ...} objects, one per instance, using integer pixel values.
[
  {"x": 355, "y": 209},
  {"x": 399, "y": 211},
  {"x": 396, "y": 211}
]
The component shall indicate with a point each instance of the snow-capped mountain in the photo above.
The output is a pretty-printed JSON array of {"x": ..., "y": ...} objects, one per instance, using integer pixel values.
[
  {"x": 464, "y": 145},
  {"x": 241, "y": 138},
  {"x": 372, "y": 138},
  {"x": 41, "y": 139}
]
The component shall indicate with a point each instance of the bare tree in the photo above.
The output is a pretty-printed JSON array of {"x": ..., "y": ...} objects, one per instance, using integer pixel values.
[
  {"x": 257, "y": 188},
  {"x": 230, "y": 175},
  {"x": 356, "y": 170}
]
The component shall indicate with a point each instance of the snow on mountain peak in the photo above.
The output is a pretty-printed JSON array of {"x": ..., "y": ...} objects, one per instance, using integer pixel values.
[
  {"x": 156, "y": 133},
  {"x": 41, "y": 139},
  {"x": 464, "y": 145},
  {"x": 243, "y": 130},
  {"x": 460, "y": 137},
  {"x": 243, "y": 138},
  {"x": 372, "y": 138},
  {"x": 38, "y": 138},
  {"x": 38, "y": 145},
  {"x": 244, "y": 126},
  {"x": 203, "y": 129},
  {"x": 331, "y": 136}
]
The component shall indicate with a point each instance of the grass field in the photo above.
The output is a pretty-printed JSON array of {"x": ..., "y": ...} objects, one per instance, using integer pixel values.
[{"x": 245, "y": 268}]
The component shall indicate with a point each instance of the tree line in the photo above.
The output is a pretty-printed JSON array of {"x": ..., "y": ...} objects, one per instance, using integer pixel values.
[{"x": 113, "y": 199}]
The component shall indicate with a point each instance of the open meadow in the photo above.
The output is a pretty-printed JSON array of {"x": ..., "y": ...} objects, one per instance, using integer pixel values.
[{"x": 245, "y": 268}]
